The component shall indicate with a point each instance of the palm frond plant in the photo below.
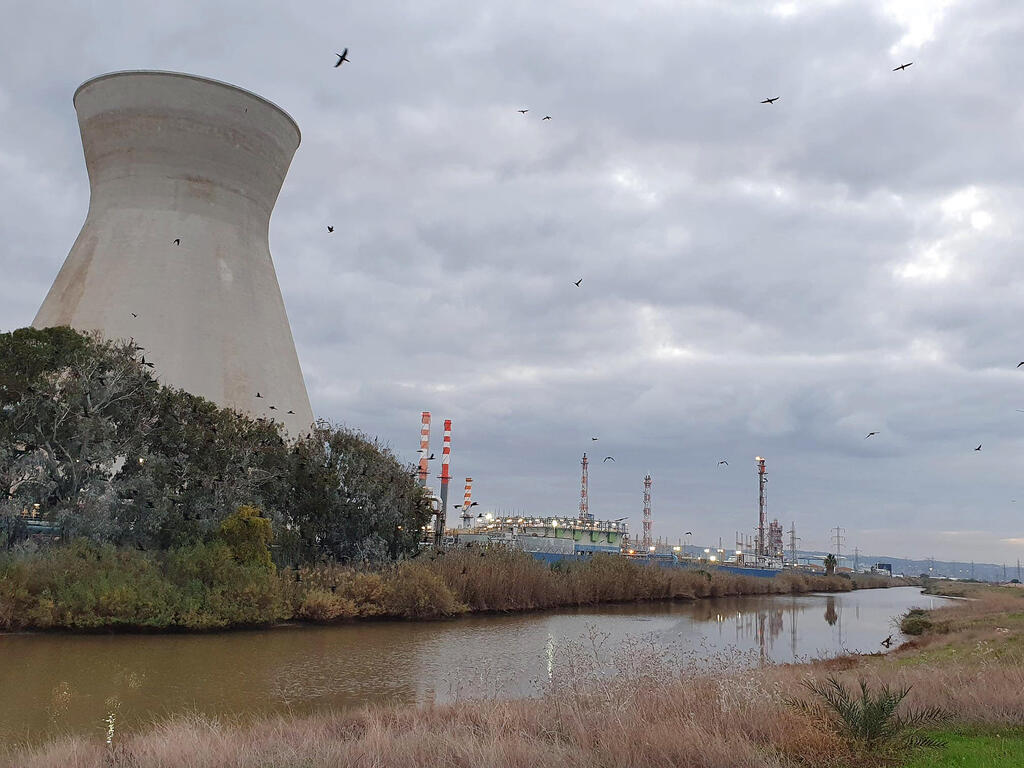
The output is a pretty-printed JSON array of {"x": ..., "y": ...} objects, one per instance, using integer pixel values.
[{"x": 872, "y": 721}]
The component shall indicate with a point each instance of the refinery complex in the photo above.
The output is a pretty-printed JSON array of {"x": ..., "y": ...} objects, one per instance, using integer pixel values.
[{"x": 552, "y": 538}]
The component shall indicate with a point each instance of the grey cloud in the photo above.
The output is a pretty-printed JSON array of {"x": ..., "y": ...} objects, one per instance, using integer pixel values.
[{"x": 776, "y": 280}]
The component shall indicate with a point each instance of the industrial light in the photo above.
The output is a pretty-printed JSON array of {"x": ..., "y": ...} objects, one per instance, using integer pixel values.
[
  {"x": 713, "y": 558},
  {"x": 707, "y": 551},
  {"x": 676, "y": 549}
]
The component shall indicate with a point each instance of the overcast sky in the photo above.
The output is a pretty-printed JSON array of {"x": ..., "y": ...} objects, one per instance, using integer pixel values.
[{"x": 757, "y": 279}]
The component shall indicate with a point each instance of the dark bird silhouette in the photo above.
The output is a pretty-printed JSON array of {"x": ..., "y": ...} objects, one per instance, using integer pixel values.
[
  {"x": 606, "y": 458},
  {"x": 771, "y": 101},
  {"x": 475, "y": 504},
  {"x": 457, "y": 506},
  {"x": 546, "y": 117},
  {"x": 577, "y": 283},
  {"x": 978, "y": 448},
  {"x": 134, "y": 315},
  {"x": 430, "y": 457},
  {"x": 869, "y": 434},
  {"x": 723, "y": 461},
  {"x": 593, "y": 438},
  {"x": 177, "y": 241},
  {"x": 258, "y": 395},
  {"x": 342, "y": 58},
  {"x": 688, "y": 533},
  {"x": 292, "y": 412},
  {"x": 1020, "y": 364},
  {"x": 273, "y": 407},
  {"x": 887, "y": 642},
  {"x": 902, "y": 66},
  {"x": 330, "y": 228},
  {"x": 523, "y": 111}
]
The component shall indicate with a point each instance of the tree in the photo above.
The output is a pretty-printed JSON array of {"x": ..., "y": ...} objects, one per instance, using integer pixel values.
[
  {"x": 248, "y": 534},
  {"x": 351, "y": 499},
  {"x": 830, "y": 565},
  {"x": 93, "y": 442}
]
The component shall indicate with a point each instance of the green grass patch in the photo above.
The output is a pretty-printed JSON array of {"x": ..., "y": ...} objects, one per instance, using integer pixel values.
[{"x": 997, "y": 748}]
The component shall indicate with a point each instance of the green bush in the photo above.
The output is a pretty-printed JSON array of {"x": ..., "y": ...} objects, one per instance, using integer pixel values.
[
  {"x": 85, "y": 586},
  {"x": 248, "y": 534},
  {"x": 915, "y": 622}
]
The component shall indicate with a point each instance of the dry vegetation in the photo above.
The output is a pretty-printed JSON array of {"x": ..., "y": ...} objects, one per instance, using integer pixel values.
[
  {"x": 475, "y": 580},
  {"x": 656, "y": 711}
]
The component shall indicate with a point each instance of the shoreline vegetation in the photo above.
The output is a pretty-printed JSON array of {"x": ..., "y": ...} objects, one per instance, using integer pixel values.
[
  {"x": 232, "y": 583},
  {"x": 962, "y": 676}
]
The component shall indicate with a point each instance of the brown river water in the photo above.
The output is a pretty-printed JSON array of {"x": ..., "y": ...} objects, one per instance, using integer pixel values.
[{"x": 105, "y": 684}]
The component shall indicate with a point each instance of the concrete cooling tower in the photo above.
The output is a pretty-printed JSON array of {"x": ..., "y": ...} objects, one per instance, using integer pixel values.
[{"x": 184, "y": 173}]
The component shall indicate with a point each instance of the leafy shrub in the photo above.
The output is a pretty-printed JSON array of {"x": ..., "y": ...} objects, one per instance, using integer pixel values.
[
  {"x": 248, "y": 534},
  {"x": 916, "y": 622}
]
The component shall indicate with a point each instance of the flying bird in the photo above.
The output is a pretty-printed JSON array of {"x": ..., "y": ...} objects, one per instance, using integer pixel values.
[
  {"x": 606, "y": 458},
  {"x": 523, "y": 111},
  {"x": 771, "y": 101},
  {"x": 292, "y": 412},
  {"x": 273, "y": 407},
  {"x": 577, "y": 283},
  {"x": 177, "y": 241},
  {"x": 342, "y": 58},
  {"x": 978, "y": 448},
  {"x": 134, "y": 315},
  {"x": 258, "y": 395},
  {"x": 723, "y": 461},
  {"x": 594, "y": 438},
  {"x": 546, "y": 117},
  {"x": 887, "y": 642},
  {"x": 902, "y": 66},
  {"x": 430, "y": 457},
  {"x": 869, "y": 434},
  {"x": 330, "y": 228},
  {"x": 688, "y": 533}
]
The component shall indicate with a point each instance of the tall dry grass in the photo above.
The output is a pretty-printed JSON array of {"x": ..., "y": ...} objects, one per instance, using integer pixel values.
[
  {"x": 475, "y": 580},
  {"x": 656, "y": 710}
]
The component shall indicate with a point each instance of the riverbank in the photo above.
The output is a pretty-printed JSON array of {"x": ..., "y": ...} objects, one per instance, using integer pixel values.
[
  {"x": 656, "y": 710},
  {"x": 87, "y": 588}
]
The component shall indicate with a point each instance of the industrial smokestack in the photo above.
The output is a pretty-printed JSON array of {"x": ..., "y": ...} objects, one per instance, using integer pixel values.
[
  {"x": 446, "y": 455},
  {"x": 424, "y": 448},
  {"x": 184, "y": 173},
  {"x": 467, "y": 503}
]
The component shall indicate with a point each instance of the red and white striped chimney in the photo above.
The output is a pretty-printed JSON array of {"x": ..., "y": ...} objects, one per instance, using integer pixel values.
[
  {"x": 446, "y": 455},
  {"x": 468, "y": 499},
  {"x": 424, "y": 448}
]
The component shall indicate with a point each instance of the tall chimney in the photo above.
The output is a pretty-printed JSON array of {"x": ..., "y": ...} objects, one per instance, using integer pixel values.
[
  {"x": 446, "y": 455},
  {"x": 424, "y": 448},
  {"x": 467, "y": 503}
]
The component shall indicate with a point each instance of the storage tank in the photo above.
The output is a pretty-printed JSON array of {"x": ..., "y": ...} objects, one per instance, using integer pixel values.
[{"x": 184, "y": 173}]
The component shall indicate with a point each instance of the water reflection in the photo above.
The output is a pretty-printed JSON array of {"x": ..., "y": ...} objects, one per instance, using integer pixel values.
[
  {"x": 831, "y": 617},
  {"x": 107, "y": 684}
]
